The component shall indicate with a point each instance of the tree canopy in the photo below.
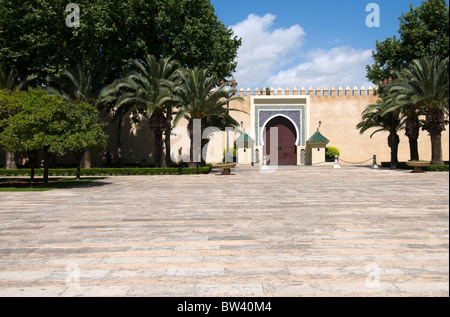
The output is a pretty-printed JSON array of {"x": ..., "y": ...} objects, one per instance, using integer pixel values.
[
  {"x": 44, "y": 121},
  {"x": 202, "y": 101},
  {"x": 424, "y": 87},
  {"x": 148, "y": 89},
  {"x": 9, "y": 105},
  {"x": 34, "y": 35},
  {"x": 423, "y": 31},
  {"x": 50, "y": 123},
  {"x": 373, "y": 118}
]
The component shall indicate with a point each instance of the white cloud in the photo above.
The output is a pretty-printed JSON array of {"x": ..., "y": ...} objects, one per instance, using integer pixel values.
[
  {"x": 264, "y": 50},
  {"x": 339, "y": 66},
  {"x": 271, "y": 57}
]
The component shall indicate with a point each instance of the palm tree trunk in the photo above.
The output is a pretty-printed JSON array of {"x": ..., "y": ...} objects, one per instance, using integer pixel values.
[
  {"x": 436, "y": 149},
  {"x": 158, "y": 147},
  {"x": 394, "y": 141},
  {"x": 412, "y": 132},
  {"x": 168, "y": 135},
  {"x": 196, "y": 143},
  {"x": 157, "y": 124},
  {"x": 205, "y": 143},
  {"x": 435, "y": 123},
  {"x": 10, "y": 161},
  {"x": 191, "y": 151},
  {"x": 119, "y": 140},
  {"x": 413, "y": 149}
]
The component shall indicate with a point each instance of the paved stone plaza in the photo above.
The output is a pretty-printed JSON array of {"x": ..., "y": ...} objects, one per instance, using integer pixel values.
[{"x": 301, "y": 231}]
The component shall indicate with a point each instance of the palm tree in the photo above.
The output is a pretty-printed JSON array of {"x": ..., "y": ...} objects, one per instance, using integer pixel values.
[
  {"x": 10, "y": 80},
  {"x": 400, "y": 102},
  {"x": 372, "y": 117},
  {"x": 76, "y": 85},
  {"x": 107, "y": 100},
  {"x": 425, "y": 88},
  {"x": 148, "y": 88},
  {"x": 201, "y": 101}
]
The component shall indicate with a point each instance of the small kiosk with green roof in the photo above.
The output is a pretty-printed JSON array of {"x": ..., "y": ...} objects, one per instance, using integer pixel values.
[
  {"x": 315, "y": 149},
  {"x": 245, "y": 146}
]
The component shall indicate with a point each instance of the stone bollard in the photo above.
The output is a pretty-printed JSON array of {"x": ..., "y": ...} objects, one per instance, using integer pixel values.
[
  {"x": 264, "y": 163},
  {"x": 336, "y": 162},
  {"x": 374, "y": 164}
]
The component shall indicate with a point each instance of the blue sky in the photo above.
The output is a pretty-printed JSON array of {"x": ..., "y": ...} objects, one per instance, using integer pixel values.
[{"x": 295, "y": 43}]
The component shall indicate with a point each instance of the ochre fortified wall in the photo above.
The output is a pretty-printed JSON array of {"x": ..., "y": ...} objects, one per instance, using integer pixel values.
[{"x": 339, "y": 110}]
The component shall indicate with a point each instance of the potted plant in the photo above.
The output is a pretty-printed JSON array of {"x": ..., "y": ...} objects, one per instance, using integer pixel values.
[{"x": 418, "y": 165}]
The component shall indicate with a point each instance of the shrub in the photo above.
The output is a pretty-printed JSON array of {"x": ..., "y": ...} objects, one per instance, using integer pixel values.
[
  {"x": 110, "y": 171},
  {"x": 331, "y": 152},
  {"x": 436, "y": 168},
  {"x": 234, "y": 154},
  {"x": 429, "y": 168}
]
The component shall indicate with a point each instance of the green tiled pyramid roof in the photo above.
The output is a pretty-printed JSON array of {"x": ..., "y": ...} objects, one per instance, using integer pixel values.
[
  {"x": 318, "y": 138},
  {"x": 245, "y": 138}
]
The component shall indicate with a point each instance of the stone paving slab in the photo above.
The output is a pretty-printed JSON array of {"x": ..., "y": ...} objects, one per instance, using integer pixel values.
[{"x": 300, "y": 231}]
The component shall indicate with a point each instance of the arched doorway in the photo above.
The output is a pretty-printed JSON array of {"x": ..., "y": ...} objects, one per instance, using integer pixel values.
[{"x": 287, "y": 135}]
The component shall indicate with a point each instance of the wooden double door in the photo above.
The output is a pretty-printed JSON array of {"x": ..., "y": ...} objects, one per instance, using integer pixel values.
[{"x": 286, "y": 149}]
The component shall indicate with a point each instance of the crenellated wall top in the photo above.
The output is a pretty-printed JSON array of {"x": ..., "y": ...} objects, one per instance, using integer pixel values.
[{"x": 318, "y": 92}]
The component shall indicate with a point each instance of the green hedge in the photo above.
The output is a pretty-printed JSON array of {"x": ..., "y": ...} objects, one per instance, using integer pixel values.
[
  {"x": 429, "y": 168},
  {"x": 109, "y": 171},
  {"x": 331, "y": 152}
]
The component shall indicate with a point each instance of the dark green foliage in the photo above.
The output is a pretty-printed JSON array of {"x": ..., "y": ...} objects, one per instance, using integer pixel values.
[
  {"x": 111, "y": 171},
  {"x": 424, "y": 89},
  {"x": 21, "y": 185},
  {"x": 149, "y": 89},
  {"x": 429, "y": 168},
  {"x": 203, "y": 100},
  {"x": 34, "y": 39},
  {"x": 51, "y": 123},
  {"x": 34, "y": 35},
  {"x": 423, "y": 31},
  {"x": 233, "y": 151},
  {"x": 373, "y": 118},
  {"x": 331, "y": 152}
]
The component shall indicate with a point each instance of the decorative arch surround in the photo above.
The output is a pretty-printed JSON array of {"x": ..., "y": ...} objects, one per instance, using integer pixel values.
[
  {"x": 296, "y": 114},
  {"x": 295, "y": 108},
  {"x": 277, "y": 114}
]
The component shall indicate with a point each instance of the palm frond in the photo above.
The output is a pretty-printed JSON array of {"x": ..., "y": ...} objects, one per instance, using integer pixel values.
[{"x": 10, "y": 79}]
